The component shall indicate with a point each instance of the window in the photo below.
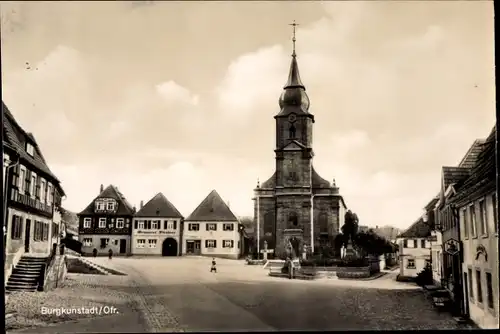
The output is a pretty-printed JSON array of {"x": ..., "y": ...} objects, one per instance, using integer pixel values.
[
  {"x": 210, "y": 243},
  {"x": 292, "y": 132},
  {"x": 465, "y": 219},
  {"x": 410, "y": 264},
  {"x": 405, "y": 243},
  {"x": 495, "y": 211},
  {"x": 55, "y": 230},
  {"x": 227, "y": 243},
  {"x": 193, "y": 227},
  {"x": 16, "y": 228},
  {"x": 120, "y": 223},
  {"x": 479, "y": 288},
  {"x": 87, "y": 242},
  {"x": 87, "y": 222},
  {"x": 211, "y": 227},
  {"x": 152, "y": 243},
  {"x": 104, "y": 242},
  {"x": 422, "y": 243},
  {"x": 141, "y": 243},
  {"x": 155, "y": 225},
  {"x": 472, "y": 217},
  {"x": 37, "y": 190},
  {"x": 30, "y": 149},
  {"x": 482, "y": 218},
  {"x": 415, "y": 244},
  {"x": 33, "y": 185},
  {"x": 42, "y": 191},
  {"x": 489, "y": 286},
  {"x": 140, "y": 224},
  {"x": 102, "y": 222},
  {"x": 100, "y": 206},
  {"x": 228, "y": 227},
  {"x": 22, "y": 177},
  {"x": 111, "y": 206},
  {"x": 50, "y": 194},
  {"x": 471, "y": 286},
  {"x": 170, "y": 225}
]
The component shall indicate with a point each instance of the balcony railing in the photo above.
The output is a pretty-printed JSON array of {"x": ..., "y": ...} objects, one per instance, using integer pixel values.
[{"x": 29, "y": 201}]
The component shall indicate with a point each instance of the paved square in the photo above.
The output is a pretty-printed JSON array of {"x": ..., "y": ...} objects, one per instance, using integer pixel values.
[{"x": 180, "y": 294}]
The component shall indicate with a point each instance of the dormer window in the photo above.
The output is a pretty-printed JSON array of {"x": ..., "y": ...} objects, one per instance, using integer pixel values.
[
  {"x": 30, "y": 149},
  {"x": 111, "y": 206},
  {"x": 100, "y": 206}
]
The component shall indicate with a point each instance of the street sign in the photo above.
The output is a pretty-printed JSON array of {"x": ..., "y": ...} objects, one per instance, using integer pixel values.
[{"x": 452, "y": 246}]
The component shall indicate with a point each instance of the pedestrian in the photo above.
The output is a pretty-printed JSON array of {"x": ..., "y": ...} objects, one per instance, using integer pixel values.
[
  {"x": 110, "y": 253},
  {"x": 213, "y": 268},
  {"x": 94, "y": 252}
]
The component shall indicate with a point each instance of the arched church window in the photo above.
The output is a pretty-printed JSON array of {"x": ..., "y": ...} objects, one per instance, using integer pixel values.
[
  {"x": 323, "y": 222},
  {"x": 293, "y": 220},
  {"x": 292, "y": 131}
]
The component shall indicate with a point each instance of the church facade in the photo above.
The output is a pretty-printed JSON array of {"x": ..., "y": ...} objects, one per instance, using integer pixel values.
[{"x": 296, "y": 207}]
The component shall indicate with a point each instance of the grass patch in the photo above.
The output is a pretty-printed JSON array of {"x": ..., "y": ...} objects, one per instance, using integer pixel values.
[{"x": 77, "y": 266}]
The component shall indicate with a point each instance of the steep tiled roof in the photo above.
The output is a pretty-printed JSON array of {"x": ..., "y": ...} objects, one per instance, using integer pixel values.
[
  {"x": 419, "y": 229},
  {"x": 16, "y": 138},
  {"x": 159, "y": 206},
  {"x": 212, "y": 208},
  {"x": 124, "y": 207},
  {"x": 432, "y": 203},
  {"x": 482, "y": 178},
  {"x": 470, "y": 158},
  {"x": 452, "y": 175}
]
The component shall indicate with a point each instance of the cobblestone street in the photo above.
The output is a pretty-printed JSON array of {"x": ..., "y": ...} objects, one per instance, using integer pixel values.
[{"x": 181, "y": 294}]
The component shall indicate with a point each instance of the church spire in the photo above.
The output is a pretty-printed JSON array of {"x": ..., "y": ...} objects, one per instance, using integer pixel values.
[{"x": 294, "y": 91}]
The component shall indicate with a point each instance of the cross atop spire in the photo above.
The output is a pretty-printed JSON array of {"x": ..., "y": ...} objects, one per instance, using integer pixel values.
[{"x": 294, "y": 25}]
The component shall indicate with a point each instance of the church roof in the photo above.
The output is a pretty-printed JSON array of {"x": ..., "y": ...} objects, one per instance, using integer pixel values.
[
  {"x": 317, "y": 181},
  {"x": 124, "y": 207},
  {"x": 212, "y": 208},
  {"x": 159, "y": 206},
  {"x": 294, "y": 97}
]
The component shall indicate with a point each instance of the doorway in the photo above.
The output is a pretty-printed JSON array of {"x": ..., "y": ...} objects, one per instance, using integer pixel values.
[
  {"x": 123, "y": 246},
  {"x": 295, "y": 243},
  {"x": 193, "y": 247},
  {"x": 169, "y": 247},
  {"x": 27, "y": 236},
  {"x": 466, "y": 294}
]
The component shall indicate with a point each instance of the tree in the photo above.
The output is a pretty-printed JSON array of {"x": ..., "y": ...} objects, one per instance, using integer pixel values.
[{"x": 350, "y": 227}]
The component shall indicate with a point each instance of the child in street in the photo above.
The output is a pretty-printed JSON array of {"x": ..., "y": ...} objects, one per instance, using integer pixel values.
[{"x": 213, "y": 268}]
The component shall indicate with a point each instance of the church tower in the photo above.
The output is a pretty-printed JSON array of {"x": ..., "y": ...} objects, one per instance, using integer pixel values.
[{"x": 296, "y": 207}]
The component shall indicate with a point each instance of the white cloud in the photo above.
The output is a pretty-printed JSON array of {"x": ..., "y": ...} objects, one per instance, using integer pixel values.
[{"x": 170, "y": 91}]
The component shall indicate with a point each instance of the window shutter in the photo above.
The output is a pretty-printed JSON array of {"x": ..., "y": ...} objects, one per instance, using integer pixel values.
[
  {"x": 215, "y": 227},
  {"x": 175, "y": 225},
  {"x": 149, "y": 225},
  {"x": 232, "y": 243},
  {"x": 207, "y": 227},
  {"x": 136, "y": 224},
  {"x": 206, "y": 243},
  {"x": 165, "y": 222},
  {"x": 215, "y": 243}
]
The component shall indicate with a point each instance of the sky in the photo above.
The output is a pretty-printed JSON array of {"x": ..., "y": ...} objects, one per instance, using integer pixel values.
[{"x": 179, "y": 97}]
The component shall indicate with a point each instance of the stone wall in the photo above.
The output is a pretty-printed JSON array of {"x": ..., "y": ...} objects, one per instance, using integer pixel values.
[{"x": 56, "y": 273}]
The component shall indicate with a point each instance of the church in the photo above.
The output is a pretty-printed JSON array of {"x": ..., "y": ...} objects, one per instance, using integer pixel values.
[{"x": 296, "y": 208}]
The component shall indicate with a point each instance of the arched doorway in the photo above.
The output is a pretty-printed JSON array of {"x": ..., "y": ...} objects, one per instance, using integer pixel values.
[{"x": 169, "y": 247}]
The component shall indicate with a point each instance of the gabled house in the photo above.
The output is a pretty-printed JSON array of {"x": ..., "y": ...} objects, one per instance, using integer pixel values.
[
  {"x": 157, "y": 228},
  {"x": 476, "y": 202},
  {"x": 452, "y": 181},
  {"x": 106, "y": 224},
  {"x": 31, "y": 194},
  {"x": 414, "y": 249},
  {"x": 212, "y": 229}
]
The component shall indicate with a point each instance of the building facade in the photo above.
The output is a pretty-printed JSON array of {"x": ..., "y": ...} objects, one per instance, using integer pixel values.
[
  {"x": 477, "y": 206},
  {"x": 452, "y": 179},
  {"x": 157, "y": 228},
  {"x": 212, "y": 230},
  {"x": 414, "y": 249},
  {"x": 296, "y": 206},
  {"x": 106, "y": 224},
  {"x": 32, "y": 196},
  {"x": 436, "y": 241}
]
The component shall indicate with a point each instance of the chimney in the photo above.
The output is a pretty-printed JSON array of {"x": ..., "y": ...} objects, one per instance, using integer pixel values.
[
  {"x": 141, "y": 205},
  {"x": 102, "y": 188}
]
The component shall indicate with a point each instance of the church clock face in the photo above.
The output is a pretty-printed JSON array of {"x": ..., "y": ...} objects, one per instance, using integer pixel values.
[{"x": 292, "y": 118}]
